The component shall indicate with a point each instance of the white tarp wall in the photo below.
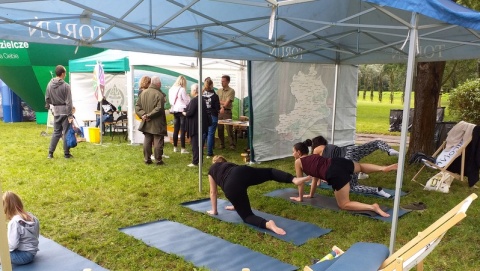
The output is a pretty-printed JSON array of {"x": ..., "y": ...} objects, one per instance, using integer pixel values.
[
  {"x": 83, "y": 94},
  {"x": 294, "y": 101}
]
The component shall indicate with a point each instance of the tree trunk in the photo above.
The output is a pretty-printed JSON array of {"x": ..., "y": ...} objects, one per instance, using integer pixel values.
[{"x": 427, "y": 91}]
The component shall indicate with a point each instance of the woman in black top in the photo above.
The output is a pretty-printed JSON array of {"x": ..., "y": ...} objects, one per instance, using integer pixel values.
[
  {"x": 213, "y": 107},
  {"x": 234, "y": 181}
]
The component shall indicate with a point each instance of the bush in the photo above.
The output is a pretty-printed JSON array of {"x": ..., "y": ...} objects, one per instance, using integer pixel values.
[{"x": 464, "y": 102}]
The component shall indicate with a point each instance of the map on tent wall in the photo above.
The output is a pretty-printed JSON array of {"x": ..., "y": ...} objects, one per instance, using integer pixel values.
[{"x": 293, "y": 102}]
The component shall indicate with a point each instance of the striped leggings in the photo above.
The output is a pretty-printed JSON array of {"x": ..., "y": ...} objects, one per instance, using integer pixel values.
[{"x": 356, "y": 153}]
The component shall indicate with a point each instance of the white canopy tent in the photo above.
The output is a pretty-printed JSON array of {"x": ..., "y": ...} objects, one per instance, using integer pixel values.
[{"x": 315, "y": 31}]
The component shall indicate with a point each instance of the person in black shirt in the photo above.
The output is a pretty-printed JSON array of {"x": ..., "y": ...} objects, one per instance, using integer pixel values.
[
  {"x": 213, "y": 107},
  {"x": 234, "y": 180}
]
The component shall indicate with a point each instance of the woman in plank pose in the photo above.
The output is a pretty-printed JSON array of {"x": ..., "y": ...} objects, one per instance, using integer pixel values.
[
  {"x": 234, "y": 180},
  {"x": 337, "y": 172}
]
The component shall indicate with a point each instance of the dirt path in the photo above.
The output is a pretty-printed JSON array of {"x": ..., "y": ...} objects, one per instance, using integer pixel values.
[{"x": 391, "y": 140}]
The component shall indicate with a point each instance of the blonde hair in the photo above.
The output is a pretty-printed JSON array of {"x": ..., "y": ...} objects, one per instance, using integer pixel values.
[
  {"x": 145, "y": 82},
  {"x": 12, "y": 205},
  {"x": 208, "y": 84},
  {"x": 218, "y": 159},
  {"x": 181, "y": 81}
]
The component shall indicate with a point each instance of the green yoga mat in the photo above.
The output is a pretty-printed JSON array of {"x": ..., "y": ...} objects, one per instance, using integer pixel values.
[{"x": 325, "y": 202}]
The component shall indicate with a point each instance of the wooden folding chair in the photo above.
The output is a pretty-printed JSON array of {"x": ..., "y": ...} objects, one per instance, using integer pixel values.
[
  {"x": 367, "y": 256},
  {"x": 441, "y": 156},
  {"x": 414, "y": 252}
]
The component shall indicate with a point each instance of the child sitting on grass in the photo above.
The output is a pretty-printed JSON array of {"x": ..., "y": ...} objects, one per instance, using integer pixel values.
[{"x": 23, "y": 230}]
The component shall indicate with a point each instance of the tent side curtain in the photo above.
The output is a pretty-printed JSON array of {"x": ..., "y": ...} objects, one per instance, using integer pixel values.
[{"x": 111, "y": 61}]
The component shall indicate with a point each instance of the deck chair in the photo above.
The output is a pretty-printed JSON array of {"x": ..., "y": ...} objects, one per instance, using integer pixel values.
[
  {"x": 444, "y": 157},
  {"x": 373, "y": 257}
]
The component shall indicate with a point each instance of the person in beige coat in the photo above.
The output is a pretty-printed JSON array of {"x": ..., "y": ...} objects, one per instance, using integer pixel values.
[{"x": 150, "y": 107}]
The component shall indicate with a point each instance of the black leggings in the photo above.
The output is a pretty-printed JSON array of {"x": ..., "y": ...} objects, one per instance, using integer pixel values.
[{"x": 237, "y": 182}]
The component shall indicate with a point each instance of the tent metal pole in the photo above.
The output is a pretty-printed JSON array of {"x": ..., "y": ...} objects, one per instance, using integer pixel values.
[
  {"x": 250, "y": 111},
  {"x": 334, "y": 108},
  {"x": 200, "y": 117},
  {"x": 406, "y": 112}
]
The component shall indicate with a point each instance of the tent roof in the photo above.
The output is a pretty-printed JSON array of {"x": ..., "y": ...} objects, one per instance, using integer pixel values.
[
  {"x": 112, "y": 61},
  {"x": 326, "y": 31}
]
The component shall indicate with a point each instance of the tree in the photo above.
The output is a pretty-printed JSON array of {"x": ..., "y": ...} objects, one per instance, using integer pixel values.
[
  {"x": 427, "y": 86},
  {"x": 427, "y": 91}
]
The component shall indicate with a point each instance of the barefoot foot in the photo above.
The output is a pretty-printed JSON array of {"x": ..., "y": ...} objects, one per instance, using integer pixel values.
[
  {"x": 379, "y": 211},
  {"x": 300, "y": 180},
  {"x": 273, "y": 227}
]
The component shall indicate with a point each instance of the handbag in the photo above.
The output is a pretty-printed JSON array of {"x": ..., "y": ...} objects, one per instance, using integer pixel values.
[
  {"x": 439, "y": 182},
  {"x": 141, "y": 126},
  {"x": 70, "y": 137}
]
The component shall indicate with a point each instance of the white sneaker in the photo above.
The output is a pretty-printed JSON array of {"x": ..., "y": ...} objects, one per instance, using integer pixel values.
[
  {"x": 382, "y": 193},
  {"x": 362, "y": 176},
  {"x": 192, "y": 165},
  {"x": 165, "y": 156},
  {"x": 184, "y": 151},
  {"x": 152, "y": 157},
  {"x": 208, "y": 157},
  {"x": 175, "y": 149}
]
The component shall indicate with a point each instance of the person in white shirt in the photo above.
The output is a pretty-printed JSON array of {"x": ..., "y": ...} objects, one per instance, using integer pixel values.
[{"x": 179, "y": 99}]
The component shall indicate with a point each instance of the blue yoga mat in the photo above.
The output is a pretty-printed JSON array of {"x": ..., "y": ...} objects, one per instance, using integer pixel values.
[
  {"x": 324, "y": 202},
  {"x": 53, "y": 256},
  {"x": 297, "y": 232},
  {"x": 325, "y": 186},
  {"x": 202, "y": 249}
]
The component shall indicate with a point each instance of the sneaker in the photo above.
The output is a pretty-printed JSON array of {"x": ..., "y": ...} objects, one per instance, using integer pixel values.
[
  {"x": 209, "y": 156},
  {"x": 165, "y": 156},
  {"x": 175, "y": 149},
  {"x": 50, "y": 156},
  {"x": 148, "y": 162},
  {"x": 362, "y": 176},
  {"x": 160, "y": 163},
  {"x": 192, "y": 165},
  {"x": 382, "y": 193},
  {"x": 184, "y": 151},
  {"x": 68, "y": 156},
  {"x": 152, "y": 157}
]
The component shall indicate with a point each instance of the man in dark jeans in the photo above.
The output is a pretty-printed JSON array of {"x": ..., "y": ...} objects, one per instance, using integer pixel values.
[{"x": 59, "y": 96}]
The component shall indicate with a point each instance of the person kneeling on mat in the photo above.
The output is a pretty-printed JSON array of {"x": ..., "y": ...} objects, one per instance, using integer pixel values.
[
  {"x": 234, "y": 181},
  {"x": 337, "y": 172}
]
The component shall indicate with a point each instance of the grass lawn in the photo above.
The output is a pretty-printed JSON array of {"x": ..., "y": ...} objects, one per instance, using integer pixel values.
[
  {"x": 82, "y": 202},
  {"x": 373, "y": 116}
]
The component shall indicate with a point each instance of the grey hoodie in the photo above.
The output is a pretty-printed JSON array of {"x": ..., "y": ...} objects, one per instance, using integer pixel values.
[
  {"x": 59, "y": 95},
  {"x": 23, "y": 235}
]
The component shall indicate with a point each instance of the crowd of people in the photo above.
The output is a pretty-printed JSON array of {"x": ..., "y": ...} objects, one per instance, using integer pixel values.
[{"x": 150, "y": 107}]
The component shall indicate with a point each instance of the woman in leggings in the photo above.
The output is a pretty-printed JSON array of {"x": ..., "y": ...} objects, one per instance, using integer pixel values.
[
  {"x": 321, "y": 147},
  {"x": 234, "y": 180},
  {"x": 337, "y": 172}
]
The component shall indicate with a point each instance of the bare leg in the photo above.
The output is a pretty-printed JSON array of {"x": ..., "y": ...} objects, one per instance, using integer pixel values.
[
  {"x": 369, "y": 168},
  {"x": 343, "y": 201},
  {"x": 273, "y": 227}
]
